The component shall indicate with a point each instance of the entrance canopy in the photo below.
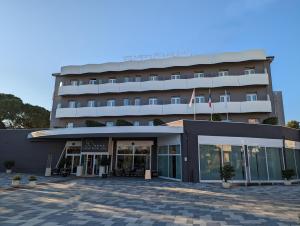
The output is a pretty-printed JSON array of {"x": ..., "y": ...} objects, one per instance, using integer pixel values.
[{"x": 114, "y": 131}]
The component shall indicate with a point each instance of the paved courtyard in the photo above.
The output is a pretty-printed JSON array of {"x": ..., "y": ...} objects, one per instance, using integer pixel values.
[{"x": 121, "y": 201}]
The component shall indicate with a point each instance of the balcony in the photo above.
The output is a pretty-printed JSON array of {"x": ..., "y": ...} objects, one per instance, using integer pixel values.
[
  {"x": 205, "y": 82},
  {"x": 167, "y": 109}
]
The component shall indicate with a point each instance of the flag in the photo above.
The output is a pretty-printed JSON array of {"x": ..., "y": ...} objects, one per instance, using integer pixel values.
[
  {"x": 209, "y": 99},
  {"x": 192, "y": 98}
]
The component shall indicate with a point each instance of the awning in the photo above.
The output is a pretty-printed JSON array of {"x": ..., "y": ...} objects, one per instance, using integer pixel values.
[{"x": 114, "y": 131}]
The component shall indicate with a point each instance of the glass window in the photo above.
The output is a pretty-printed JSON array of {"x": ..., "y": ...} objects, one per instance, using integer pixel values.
[
  {"x": 274, "y": 157},
  {"x": 253, "y": 121},
  {"x": 109, "y": 123},
  {"x": 290, "y": 155},
  {"x": 125, "y": 162},
  {"x": 210, "y": 162},
  {"x": 251, "y": 97},
  {"x": 111, "y": 103},
  {"x": 58, "y": 105},
  {"x": 162, "y": 150},
  {"x": 235, "y": 156},
  {"x": 223, "y": 73},
  {"x": 258, "y": 164},
  {"x": 125, "y": 149},
  {"x": 74, "y": 82},
  {"x": 138, "y": 79},
  {"x": 175, "y": 100},
  {"x": 136, "y": 123},
  {"x": 225, "y": 98},
  {"x": 163, "y": 165},
  {"x": 199, "y": 75},
  {"x": 200, "y": 99},
  {"x": 93, "y": 81},
  {"x": 91, "y": 103},
  {"x": 175, "y": 76},
  {"x": 61, "y": 83},
  {"x": 150, "y": 123},
  {"x": 112, "y": 80},
  {"x": 142, "y": 150},
  {"x": 249, "y": 71},
  {"x": 175, "y": 166},
  {"x": 72, "y": 104},
  {"x": 137, "y": 101},
  {"x": 297, "y": 156},
  {"x": 70, "y": 125},
  {"x": 126, "y": 102},
  {"x": 174, "y": 149},
  {"x": 153, "y": 101},
  {"x": 153, "y": 78},
  {"x": 126, "y": 79}
]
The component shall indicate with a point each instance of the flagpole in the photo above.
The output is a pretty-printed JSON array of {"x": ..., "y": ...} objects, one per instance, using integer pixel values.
[
  {"x": 194, "y": 105},
  {"x": 226, "y": 105}
]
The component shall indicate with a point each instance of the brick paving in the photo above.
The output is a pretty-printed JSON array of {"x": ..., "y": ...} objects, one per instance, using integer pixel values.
[{"x": 129, "y": 201}]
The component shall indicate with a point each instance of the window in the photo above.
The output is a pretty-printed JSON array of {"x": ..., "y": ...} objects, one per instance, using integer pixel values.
[
  {"x": 150, "y": 123},
  {"x": 72, "y": 104},
  {"x": 152, "y": 101},
  {"x": 200, "y": 99},
  {"x": 111, "y": 103},
  {"x": 136, "y": 123},
  {"x": 253, "y": 121},
  {"x": 109, "y": 123},
  {"x": 225, "y": 98},
  {"x": 80, "y": 82},
  {"x": 93, "y": 81},
  {"x": 175, "y": 100},
  {"x": 70, "y": 125},
  {"x": 138, "y": 79},
  {"x": 61, "y": 83},
  {"x": 126, "y": 79},
  {"x": 153, "y": 78},
  {"x": 175, "y": 76},
  {"x": 58, "y": 105},
  {"x": 249, "y": 71},
  {"x": 126, "y": 102},
  {"x": 223, "y": 73},
  {"x": 74, "y": 82},
  {"x": 137, "y": 101},
  {"x": 91, "y": 103},
  {"x": 199, "y": 75},
  {"x": 251, "y": 97},
  {"x": 112, "y": 80}
]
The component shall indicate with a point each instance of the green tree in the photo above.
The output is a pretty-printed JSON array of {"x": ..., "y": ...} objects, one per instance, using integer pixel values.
[
  {"x": 93, "y": 123},
  {"x": 158, "y": 122},
  {"x": 293, "y": 124},
  {"x": 123, "y": 122},
  {"x": 271, "y": 121},
  {"x": 20, "y": 115},
  {"x": 216, "y": 117}
]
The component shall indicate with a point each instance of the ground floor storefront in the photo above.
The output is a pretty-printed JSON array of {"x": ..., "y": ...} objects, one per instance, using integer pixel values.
[{"x": 186, "y": 150}]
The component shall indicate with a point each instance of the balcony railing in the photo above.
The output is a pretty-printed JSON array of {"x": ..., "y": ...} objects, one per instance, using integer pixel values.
[
  {"x": 167, "y": 109},
  {"x": 205, "y": 82}
]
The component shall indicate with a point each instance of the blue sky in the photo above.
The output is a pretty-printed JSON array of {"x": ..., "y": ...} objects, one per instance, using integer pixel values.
[{"x": 37, "y": 37}]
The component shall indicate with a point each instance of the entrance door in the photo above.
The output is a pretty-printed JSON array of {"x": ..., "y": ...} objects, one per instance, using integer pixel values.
[{"x": 91, "y": 164}]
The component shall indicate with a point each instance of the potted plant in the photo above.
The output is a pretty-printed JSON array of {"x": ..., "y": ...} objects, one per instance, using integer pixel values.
[
  {"x": 16, "y": 180},
  {"x": 227, "y": 173},
  {"x": 287, "y": 174},
  {"x": 32, "y": 181},
  {"x": 9, "y": 164},
  {"x": 105, "y": 162}
]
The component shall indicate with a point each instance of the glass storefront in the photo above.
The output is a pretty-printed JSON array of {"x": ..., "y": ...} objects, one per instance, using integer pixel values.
[
  {"x": 258, "y": 163},
  {"x": 292, "y": 161},
  {"x": 169, "y": 161}
]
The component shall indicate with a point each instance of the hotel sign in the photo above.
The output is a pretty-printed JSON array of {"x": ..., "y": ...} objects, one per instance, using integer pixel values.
[{"x": 95, "y": 145}]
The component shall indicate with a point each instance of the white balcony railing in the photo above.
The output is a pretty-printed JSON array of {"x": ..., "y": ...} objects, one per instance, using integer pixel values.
[
  {"x": 168, "y": 109},
  {"x": 241, "y": 80}
]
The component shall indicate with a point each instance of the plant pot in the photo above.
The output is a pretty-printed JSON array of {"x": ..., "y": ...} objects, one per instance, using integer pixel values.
[
  {"x": 8, "y": 171},
  {"x": 32, "y": 183},
  {"x": 101, "y": 170},
  {"x": 48, "y": 172},
  {"x": 287, "y": 182},
  {"x": 226, "y": 185},
  {"x": 15, "y": 183}
]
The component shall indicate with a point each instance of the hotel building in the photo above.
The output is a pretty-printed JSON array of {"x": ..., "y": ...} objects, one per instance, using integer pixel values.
[{"x": 137, "y": 114}]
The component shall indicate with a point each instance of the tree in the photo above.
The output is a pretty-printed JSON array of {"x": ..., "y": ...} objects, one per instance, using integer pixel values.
[
  {"x": 227, "y": 172},
  {"x": 293, "y": 124},
  {"x": 20, "y": 115},
  {"x": 158, "y": 122},
  {"x": 216, "y": 117},
  {"x": 93, "y": 123},
  {"x": 122, "y": 122},
  {"x": 271, "y": 121}
]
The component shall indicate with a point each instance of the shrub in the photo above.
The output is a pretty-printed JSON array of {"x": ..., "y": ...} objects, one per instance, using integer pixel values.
[
  {"x": 293, "y": 124},
  {"x": 216, "y": 117},
  {"x": 158, "y": 122},
  {"x": 288, "y": 174},
  {"x": 271, "y": 121},
  {"x": 93, "y": 123},
  {"x": 227, "y": 172},
  {"x": 17, "y": 177},
  {"x": 32, "y": 178},
  {"x": 9, "y": 164},
  {"x": 122, "y": 122}
]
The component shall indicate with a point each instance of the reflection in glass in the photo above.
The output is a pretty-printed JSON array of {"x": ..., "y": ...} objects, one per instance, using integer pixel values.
[
  {"x": 234, "y": 155},
  {"x": 297, "y": 155},
  {"x": 258, "y": 165},
  {"x": 274, "y": 163},
  {"x": 210, "y": 162},
  {"x": 163, "y": 165},
  {"x": 290, "y": 160}
]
